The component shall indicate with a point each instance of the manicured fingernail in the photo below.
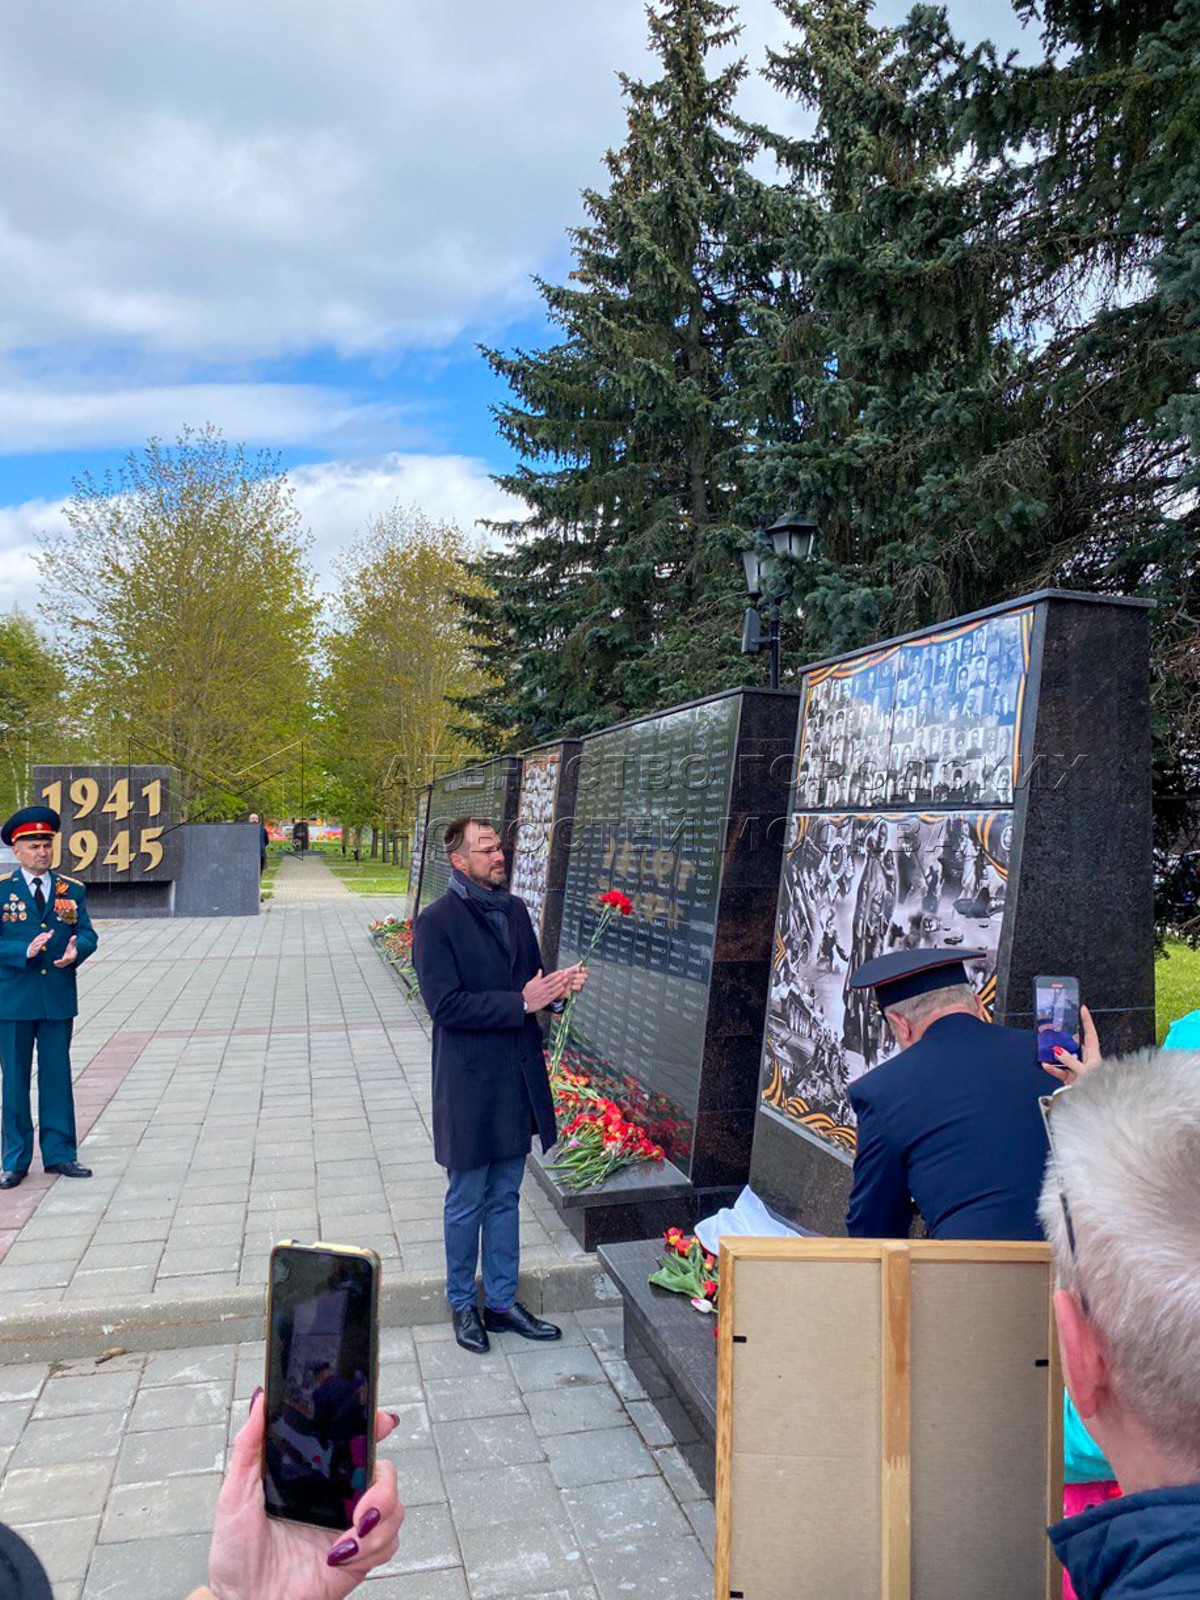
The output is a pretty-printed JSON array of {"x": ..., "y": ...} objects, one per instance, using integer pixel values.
[
  {"x": 371, "y": 1520},
  {"x": 395, "y": 1416},
  {"x": 345, "y": 1550},
  {"x": 254, "y": 1397}
]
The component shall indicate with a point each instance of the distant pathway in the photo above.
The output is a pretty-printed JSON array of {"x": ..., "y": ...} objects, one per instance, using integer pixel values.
[{"x": 308, "y": 878}]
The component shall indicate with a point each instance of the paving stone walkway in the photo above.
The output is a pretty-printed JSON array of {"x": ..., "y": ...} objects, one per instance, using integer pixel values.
[
  {"x": 530, "y": 1472},
  {"x": 308, "y": 878},
  {"x": 251, "y": 1079}
]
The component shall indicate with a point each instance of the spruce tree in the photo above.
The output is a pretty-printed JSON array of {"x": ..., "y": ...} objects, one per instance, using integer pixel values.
[
  {"x": 995, "y": 385},
  {"x": 620, "y": 591}
]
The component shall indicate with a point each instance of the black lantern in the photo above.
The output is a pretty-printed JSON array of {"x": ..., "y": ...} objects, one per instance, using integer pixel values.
[
  {"x": 752, "y": 560},
  {"x": 794, "y": 536}
]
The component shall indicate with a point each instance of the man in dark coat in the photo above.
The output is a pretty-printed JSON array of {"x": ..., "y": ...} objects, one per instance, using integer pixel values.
[
  {"x": 480, "y": 972},
  {"x": 45, "y": 933},
  {"x": 950, "y": 1125}
]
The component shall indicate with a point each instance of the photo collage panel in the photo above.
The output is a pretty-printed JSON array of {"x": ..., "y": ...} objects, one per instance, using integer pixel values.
[
  {"x": 933, "y": 722},
  {"x": 857, "y": 887}
]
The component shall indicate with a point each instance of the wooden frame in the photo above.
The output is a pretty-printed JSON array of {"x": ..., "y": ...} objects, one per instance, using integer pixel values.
[{"x": 928, "y": 1441}]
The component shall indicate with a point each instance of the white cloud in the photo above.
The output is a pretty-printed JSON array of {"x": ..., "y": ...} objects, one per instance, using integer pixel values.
[
  {"x": 67, "y": 414},
  {"x": 20, "y": 527},
  {"x": 225, "y": 180},
  {"x": 339, "y": 499}
]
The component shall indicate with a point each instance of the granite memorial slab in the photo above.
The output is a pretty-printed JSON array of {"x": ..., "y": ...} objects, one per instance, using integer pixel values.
[
  {"x": 487, "y": 789},
  {"x": 683, "y": 812},
  {"x": 983, "y": 783},
  {"x": 542, "y": 842}
]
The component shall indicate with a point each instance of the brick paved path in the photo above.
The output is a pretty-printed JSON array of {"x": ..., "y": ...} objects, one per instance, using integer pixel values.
[{"x": 250, "y": 1079}]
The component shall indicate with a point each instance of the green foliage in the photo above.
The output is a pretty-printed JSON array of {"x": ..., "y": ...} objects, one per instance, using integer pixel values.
[
  {"x": 988, "y": 383},
  {"x": 33, "y": 711},
  {"x": 396, "y": 658},
  {"x": 187, "y": 605}
]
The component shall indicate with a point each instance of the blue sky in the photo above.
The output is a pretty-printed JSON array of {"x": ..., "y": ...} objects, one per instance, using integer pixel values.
[{"x": 297, "y": 221}]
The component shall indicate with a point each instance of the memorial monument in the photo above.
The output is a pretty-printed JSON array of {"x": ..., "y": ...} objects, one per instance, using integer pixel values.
[
  {"x": 985, "y": 783},
  {"x": 120, "y": 836},
  {"x": 683, "y": 812},
  {"x": 545, "y": 813},
  {"x": 487, "y": 789}
]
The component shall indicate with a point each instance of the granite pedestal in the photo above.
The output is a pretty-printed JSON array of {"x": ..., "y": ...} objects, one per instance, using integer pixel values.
[{"x": 683, "y": 813}]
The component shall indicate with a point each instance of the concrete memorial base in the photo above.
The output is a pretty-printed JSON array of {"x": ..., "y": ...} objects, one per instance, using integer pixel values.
[{"x": 634, "y": 1203}]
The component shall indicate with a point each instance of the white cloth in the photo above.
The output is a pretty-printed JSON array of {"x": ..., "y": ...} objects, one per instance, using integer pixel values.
[{"x": 747, "y": 1217}]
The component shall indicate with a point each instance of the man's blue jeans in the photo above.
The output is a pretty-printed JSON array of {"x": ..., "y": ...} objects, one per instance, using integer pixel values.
[{"x": 482, "y": 1203}]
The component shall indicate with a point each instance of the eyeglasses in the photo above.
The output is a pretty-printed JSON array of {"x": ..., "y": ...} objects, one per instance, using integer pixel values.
[{"x": 1045, "y": 1103}]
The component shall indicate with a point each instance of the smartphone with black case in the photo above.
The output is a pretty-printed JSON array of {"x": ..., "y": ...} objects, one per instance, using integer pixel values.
[
  {"x": 321, "y": 1381},
  {"x": 1056, "y": 1015}
]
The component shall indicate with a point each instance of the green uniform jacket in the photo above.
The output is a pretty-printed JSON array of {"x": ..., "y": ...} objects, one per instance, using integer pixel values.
[{"x": 37, "y": 990}]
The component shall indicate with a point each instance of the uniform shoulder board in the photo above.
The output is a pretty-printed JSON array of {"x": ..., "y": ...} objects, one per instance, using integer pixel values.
[{"x": 74, "y": 882}]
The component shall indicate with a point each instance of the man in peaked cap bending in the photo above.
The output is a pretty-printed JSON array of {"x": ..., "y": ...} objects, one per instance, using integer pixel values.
[
  {"x": 45, "y": 933},
  {"x": 950, "y": 1125}
]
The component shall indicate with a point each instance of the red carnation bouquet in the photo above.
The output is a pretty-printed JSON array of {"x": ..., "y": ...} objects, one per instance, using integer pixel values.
[{"x": 597, "y": 1137}]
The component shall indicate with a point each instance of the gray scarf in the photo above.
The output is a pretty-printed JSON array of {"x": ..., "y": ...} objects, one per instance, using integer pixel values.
[{"x": 494, "y": 903}]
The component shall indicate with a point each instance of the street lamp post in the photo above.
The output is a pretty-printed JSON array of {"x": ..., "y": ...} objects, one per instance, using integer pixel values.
[{"x": 794, "y": 536}]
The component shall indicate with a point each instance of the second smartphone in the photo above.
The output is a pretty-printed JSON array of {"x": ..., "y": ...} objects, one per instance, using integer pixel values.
[{"x": 321, "y": 1380}]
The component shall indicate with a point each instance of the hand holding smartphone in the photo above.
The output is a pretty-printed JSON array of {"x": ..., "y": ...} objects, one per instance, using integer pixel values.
[
  {"x": 321, "y": 1382},
  {"x": 1056, "y": 1016}
]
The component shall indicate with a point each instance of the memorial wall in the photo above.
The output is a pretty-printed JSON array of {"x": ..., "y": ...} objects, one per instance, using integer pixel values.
[
  {"x": 682, "y": 812},
  {"x": 420, "y": 825},
  {"x": 489, "y": 789},
  {"x": 545, "y": 813},
  {"x": 983, "y": 784}
]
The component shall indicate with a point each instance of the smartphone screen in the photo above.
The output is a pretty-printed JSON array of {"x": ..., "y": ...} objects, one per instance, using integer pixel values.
[
  {"x": 322, "y": 1340},
  {"x": 1056, "y": 1015}
]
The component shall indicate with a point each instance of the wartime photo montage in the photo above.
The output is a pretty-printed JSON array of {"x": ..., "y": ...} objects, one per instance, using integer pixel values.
[
  {"x": 933, "y": 722},
  {"x": 855, "y": 888}
]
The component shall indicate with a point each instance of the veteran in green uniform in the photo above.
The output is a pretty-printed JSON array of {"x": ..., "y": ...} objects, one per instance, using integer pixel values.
[{"x": 45, "y": 933}]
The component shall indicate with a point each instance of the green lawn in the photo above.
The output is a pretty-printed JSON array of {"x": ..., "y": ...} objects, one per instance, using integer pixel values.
[
  {"x": 1176, "y": 984},
  {"x": 368, "y": 877}
]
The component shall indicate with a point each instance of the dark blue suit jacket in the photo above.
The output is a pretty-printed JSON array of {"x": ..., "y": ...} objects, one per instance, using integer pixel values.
[
  {"x": 490, "y": 1086},
  {"x": 951, "y": 1124}
]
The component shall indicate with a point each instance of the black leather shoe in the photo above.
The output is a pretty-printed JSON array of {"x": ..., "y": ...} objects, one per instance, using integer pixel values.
[
  {"x": 70, "y": 1169},
  {"x": 518, "y": 1320},
  {"x": 10, "y": 1180},
  {"x": 468, "y": 1330}
]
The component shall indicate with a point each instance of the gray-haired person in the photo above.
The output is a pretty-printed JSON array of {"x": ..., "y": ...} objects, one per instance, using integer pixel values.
[{"x": 1121, "y": 1208}]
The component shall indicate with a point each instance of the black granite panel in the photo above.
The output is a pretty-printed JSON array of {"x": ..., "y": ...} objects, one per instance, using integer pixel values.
[
  {"x": 800, "y": 1178},
  {"x": 420, "y": 827},
  {"x": 118, "y": 823},
  {"x": 1083, "y": 897},
  {"x": 490, "y": 789},
  {"x": 642, "y": 1200},
  {"x": 541, "y": 849},
  {"x": 736, "y": 1002},
  {"x": 1059, "y": 883}
]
